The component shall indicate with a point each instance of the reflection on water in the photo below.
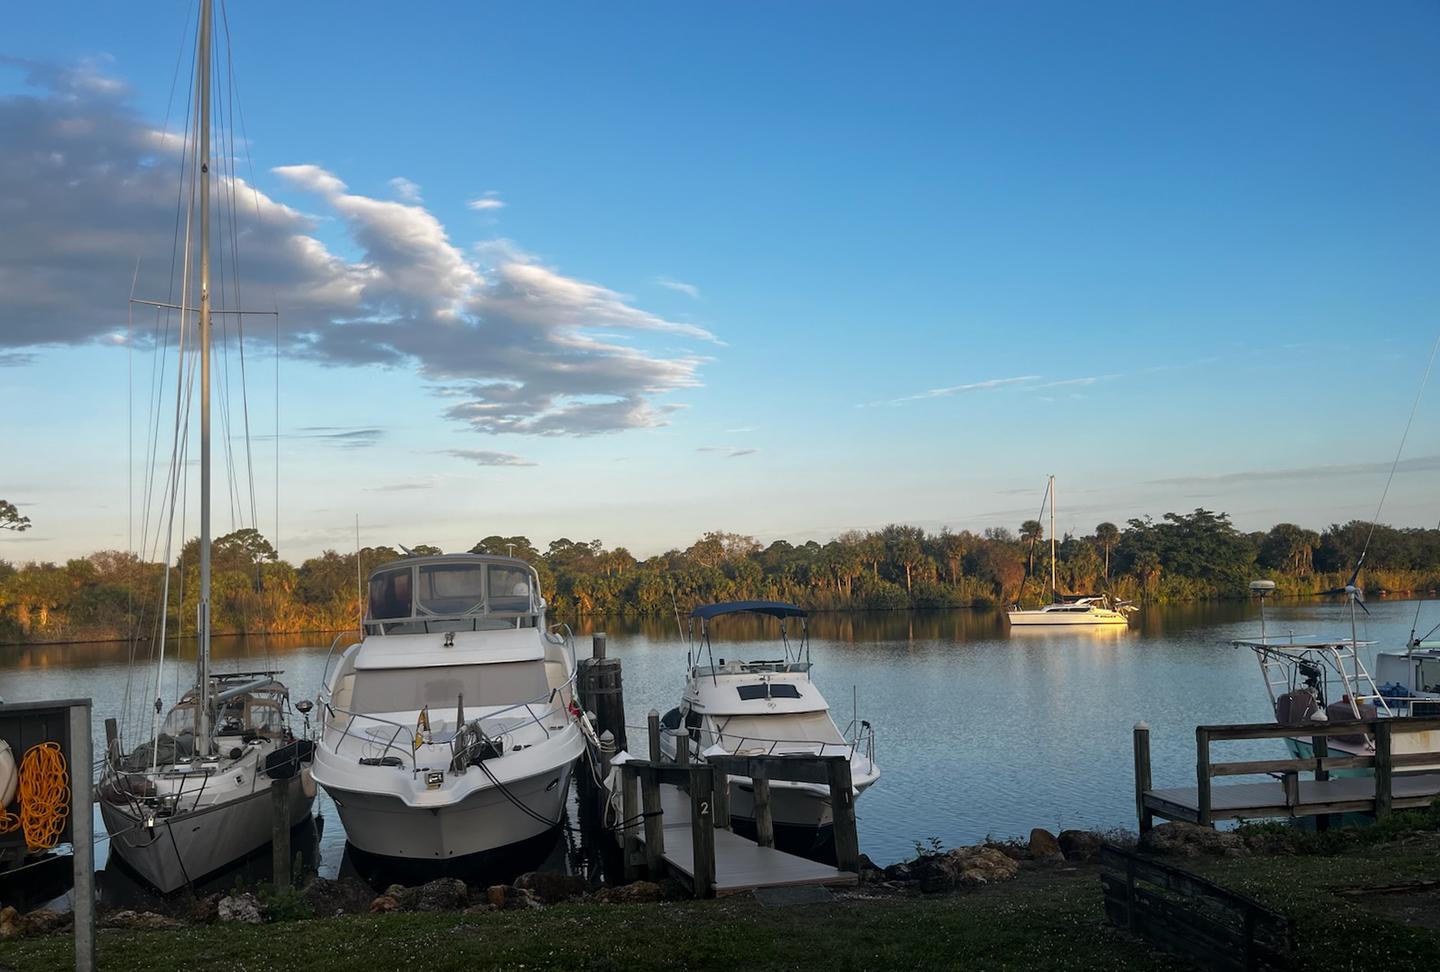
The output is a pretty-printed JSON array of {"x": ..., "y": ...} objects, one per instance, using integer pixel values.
[{"x": 980, "y": 730}]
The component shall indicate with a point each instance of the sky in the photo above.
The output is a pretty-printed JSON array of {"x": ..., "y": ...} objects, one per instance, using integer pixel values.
[{"x": 638, "y": 271}]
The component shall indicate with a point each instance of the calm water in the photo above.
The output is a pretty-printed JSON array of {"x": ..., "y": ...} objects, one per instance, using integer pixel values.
[{"x": 980, "y": 731}]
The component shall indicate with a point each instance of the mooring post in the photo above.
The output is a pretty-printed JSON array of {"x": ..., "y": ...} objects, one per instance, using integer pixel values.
[
  {"x": 722, "y": 800},
  {"x": 842, "y": 809},
  {"x": 597, "y": 645},
  {"x": 280, "y": 832},
  {"x": 1383, "y": 767},
  {"x": 654, "y": 822},
  {"x": 1142, "y": 776},
  {"x": 652, "y": 727},
  {"x": 607, "y": 753},
  {"x": 112, "y": 742},
  {"x": 1321, "y": 745},
  {"x": 629, "y": 809},
  {"x": 602, "y": 691},
  {"x": 682, "y": 746},
  {"x": 1202, "y": 774},
  {"x": 702, "y": 828},
  {"x": 82, "y": 835},
  {"x": 764, "y": 822}
]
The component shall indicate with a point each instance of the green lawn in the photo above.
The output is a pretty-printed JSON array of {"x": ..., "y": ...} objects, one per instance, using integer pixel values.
[{"x": 1044, "y": 920}]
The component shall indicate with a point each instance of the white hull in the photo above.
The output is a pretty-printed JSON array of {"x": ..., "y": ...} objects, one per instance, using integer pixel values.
[
  {"x": 798, "y": 805},
  {"x": 182, "y": 849},
  {"x": 1021, "y": 618},
  {"x": 486, "y": 820}
]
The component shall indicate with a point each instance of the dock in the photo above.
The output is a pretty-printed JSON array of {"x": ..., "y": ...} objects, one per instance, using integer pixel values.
[
  {"x": 740, "y": 865},
  {"x": 1394, "y": 781}
]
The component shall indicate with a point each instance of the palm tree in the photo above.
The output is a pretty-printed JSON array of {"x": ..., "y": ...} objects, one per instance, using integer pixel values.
[
  {"x": 1031, "y": 532},
  {"x": 1107, "y": 535}
]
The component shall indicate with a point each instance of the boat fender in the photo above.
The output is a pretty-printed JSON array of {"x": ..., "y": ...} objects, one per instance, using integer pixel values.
[{"x": 9, "y": 776}]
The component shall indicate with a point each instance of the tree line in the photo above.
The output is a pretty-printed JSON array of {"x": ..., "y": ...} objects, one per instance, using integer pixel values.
[{"x": 1181, "y": 556}]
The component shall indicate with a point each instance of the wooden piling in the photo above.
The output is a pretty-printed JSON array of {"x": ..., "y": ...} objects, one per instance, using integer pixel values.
[
  {"x": 602, "y": 691},
  {"x": 702, "y": 828},
  {"x": 722, "y": 800},
  {"x": 1142, "y": 776},
  {"x": 630, "y": 827},
  {"x": 280, "y": 832},
  {"x": 82, "y": 825},
  {"x": 1202, "y": 773},
  {"x": 764, "y": 821},
  {"x": 112, "y": 742},
  {"x": 1322, "y": 752},
  {"x": 682, "y": 746},
  {"x": 1383, "y": 768},
  {"x": 842, "y": 809},
  {"x": 652, "y": 727},
  {"x": 654, "y": 823}
]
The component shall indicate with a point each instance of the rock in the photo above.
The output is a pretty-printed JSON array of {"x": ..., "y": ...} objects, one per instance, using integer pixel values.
[
  {"x": 1012, "y": 849},
  {"x": 964, "y": 867},
  {"x": 635, "y": 893},
  {"x": 1180, "y": 839},
  {"x": 869, "y": 872},
  {"x": 1080, "y": 846},
  {"x": 140, "y": 920},
  {"x": 497, "y": 894},
  {"x": 552, "y": 887},
  {"x": 899, "y": 872},
  {"x": 347, "y": 896},
  {"x": 199, "y": 911},
  {"x": 673, "y": 890},
  {"x": 10, "y": 926},
  {"x": 1044, "y": 847},
  {"x": 480, "y": 909},
  {"x": 383, "y": 904},
  {"x": 240, "y": 907},
  {"x": 442, "y": 894}
]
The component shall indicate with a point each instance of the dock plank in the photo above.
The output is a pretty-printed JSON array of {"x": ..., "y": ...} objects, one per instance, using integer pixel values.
[{"x": 1254, "y": 800}]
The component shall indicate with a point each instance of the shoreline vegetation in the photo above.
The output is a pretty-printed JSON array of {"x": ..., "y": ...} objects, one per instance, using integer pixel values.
[{"x": 116, "y": 596}]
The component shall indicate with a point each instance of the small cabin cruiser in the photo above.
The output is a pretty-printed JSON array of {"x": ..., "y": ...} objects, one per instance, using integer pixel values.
[
  {"x": 768, "y": 707},
  {"x": 449, "y": 730}
]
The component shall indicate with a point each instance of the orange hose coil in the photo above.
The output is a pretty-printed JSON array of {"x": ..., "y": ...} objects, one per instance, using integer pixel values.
[{"x": 44, "y": 797}]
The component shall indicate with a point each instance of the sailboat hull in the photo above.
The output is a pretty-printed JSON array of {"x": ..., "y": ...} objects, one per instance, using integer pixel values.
[{"x": 183, "y": 849}]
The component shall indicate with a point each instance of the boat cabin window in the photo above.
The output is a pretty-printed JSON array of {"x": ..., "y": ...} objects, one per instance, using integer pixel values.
[
  {"x": 781, "y": 691},
  {"x": 179, "y": 719},
  {"x": 390, "y": 594},
  {"x": 440, "y": 687},
  {"x": 1429, "y": 680},
  {"x": 450, "y": 588},
  {"x": 509, "y": 589}
]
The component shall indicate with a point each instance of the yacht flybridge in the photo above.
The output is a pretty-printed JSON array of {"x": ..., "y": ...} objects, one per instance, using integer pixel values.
[
  {"x": 194, "y": 797},
  {"x": 449, "y": 731},
  {"x": 769, "y": 707}
]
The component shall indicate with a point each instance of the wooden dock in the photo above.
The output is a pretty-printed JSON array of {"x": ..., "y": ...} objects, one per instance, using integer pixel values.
[
  {"x": 740, "y": 865},
  {"x": 1387, "y": 787}
]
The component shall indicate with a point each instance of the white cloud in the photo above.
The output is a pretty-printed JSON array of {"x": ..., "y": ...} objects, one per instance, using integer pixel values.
[
  {"x": 491, "y": 200},
  {"x": 975, "y": 386},
  {"x": 680, "y": 286},
  {"x": 730, "y": 452},
  {"x": 514, "y": 345}
]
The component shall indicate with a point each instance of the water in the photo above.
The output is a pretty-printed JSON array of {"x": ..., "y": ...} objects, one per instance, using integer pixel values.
[{"x": 980, "y": 730}]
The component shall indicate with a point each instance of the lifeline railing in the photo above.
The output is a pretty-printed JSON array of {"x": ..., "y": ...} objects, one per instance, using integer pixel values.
[{"x": 408, "y": 753}]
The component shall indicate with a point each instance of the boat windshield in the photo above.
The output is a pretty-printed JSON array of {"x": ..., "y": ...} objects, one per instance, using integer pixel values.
[
  {"x": 411, "y": 689},
  {"x": 789, "y": 727},
  {"x": 464, "y": 589}
]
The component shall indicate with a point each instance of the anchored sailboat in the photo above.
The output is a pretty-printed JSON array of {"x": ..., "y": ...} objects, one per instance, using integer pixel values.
[
  {"x": 196, "y": 796},
  {"x": 1100, "y": 609}
]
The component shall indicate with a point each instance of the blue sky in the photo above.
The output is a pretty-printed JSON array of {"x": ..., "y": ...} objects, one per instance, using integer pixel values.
[{"x": 844, "y": 265}]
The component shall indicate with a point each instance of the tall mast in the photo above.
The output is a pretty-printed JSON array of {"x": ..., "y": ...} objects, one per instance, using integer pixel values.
[
  {"x": 202, "y": 97},
  {"x": 1053, "y": 588}
]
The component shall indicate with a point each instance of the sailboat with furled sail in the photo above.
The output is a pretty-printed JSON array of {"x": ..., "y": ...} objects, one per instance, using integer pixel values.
[{"x": 196, "y": 794}]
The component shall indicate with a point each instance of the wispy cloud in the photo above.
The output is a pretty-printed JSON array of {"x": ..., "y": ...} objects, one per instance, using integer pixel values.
[
  {"x": 491, "y": 200},
  {"x": 342, "y": 436},
  {"x": 485, "y": 457},
  {"x": 1419, "y": 464},
  {"x": 738, "y": 431},
  {"x": 405, "y": 189},
  {"x": 1068, "y": 382},
  {"x": 730, "y": 452},
  {"x": 974, "y": 386},
  {"x": 680, "y": 286},
  {"x": 15, "y": 359},
  {"x": 401, "y": 487}
]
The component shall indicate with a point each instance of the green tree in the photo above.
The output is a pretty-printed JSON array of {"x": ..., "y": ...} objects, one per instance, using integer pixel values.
[
  {"x": 10, "y": 518},
  {"x": 1031, "y": 533}
]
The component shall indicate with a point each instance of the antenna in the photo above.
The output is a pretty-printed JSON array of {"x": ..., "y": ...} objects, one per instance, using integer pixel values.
[
  {"x": 359, "y": 584},
  {"x": 1262, "y": 589}
]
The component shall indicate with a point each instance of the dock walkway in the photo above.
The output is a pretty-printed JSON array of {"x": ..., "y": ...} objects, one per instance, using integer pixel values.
[{"x": 740, "y": 865}]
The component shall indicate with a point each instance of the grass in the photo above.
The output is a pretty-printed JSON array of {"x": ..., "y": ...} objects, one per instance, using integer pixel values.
[{"x": 1043, "y": 920}]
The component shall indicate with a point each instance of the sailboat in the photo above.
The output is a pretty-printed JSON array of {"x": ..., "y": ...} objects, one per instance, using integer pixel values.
[
  {"x": 1087, "y": 610},
  {"x": 195, "y": 797}
]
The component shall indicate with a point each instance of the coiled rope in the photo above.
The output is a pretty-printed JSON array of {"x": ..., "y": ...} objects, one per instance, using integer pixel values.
[{"x": 44, "y": 797}]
